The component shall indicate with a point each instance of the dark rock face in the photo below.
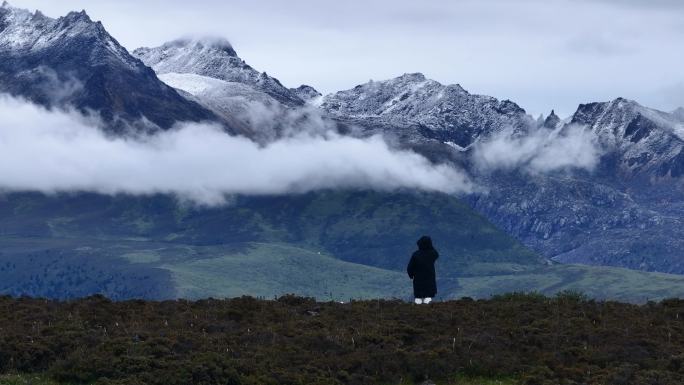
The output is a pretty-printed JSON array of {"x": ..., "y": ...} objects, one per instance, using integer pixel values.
[
  {"x": 73, "y": 62},
  {"x": 639, "y": 128},
  {"x": 589, "y": 219},
  {"x": 552, "y": 121},
  {"x": 306, "y": 93},
  {"x": 675, "y": 167},
  {"x": 627, "y": 212}
]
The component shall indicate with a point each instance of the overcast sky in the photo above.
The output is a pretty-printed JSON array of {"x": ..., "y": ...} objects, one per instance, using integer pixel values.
[{"x": 542, "y": 54}]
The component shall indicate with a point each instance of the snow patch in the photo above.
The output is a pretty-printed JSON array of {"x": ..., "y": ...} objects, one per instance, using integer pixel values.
[
  {"x": 456, "y": 146},
  {"x": 191, "y": 83}
]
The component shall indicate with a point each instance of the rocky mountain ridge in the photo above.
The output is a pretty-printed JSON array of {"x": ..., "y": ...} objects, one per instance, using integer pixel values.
[
  {"x": 648, "y": 142},
  {"x": 211, "y": 73},
  {"x": 214, "y": 58},
  {"x": 72, "y": 62},
  {"x": 431, "y": 110}
]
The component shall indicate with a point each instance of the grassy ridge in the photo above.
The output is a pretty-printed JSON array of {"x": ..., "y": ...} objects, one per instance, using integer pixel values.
[
  {"x": 521, "y": 339},
  {"x": 268, "y": 270}
]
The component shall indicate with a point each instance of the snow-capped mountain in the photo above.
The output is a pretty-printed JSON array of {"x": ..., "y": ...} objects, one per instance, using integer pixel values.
[
  {"x": 424, "y": 108},
  {"x": 24, "y": 31},
  {"x": 72, "y": 61},
  {"x": 214, "y": 58},
  {"x": 210, "y": 72},
  {"x": 648, "y": 142},
  {"x": 628, "y": 212}
]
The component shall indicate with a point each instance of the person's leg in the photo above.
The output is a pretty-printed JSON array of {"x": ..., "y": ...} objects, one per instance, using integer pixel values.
[
  {"x": 427, "y": 300},
  {"x": 419, "y": 301}
]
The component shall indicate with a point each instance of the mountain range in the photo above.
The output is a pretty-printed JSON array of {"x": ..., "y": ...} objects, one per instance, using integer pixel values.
[{"x": 625, "y": 211}]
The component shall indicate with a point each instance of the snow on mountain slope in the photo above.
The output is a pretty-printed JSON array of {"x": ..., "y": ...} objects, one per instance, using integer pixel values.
[
  {"x": 254, "y": 113},
  {"x": 72, "y": 62},
  {"x": 215, "y": 58},
  {"x": 307, "y": 94},
  {"x": 428, "y": 108},
  {"x": 647, "y": 141},
  {"x": 26, "y": 31}
]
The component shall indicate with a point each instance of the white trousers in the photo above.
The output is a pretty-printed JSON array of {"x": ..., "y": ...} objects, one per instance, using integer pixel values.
[{"x": 423, "y": 300}]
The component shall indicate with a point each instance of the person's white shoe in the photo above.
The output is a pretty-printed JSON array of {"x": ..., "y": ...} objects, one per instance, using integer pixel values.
[
  {"x": 419, "y": 301},
  {"x": 427, "y": 300}
]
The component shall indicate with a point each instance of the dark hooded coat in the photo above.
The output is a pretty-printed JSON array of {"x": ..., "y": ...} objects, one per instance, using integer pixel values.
[{"x": 421, "y": 269}]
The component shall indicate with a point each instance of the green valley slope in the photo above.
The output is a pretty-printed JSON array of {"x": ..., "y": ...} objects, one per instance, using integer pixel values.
[{"x": 329, "y": 245}]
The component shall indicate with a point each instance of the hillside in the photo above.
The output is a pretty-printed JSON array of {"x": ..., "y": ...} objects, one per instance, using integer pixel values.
[
  {"x": 512, "y": 339},
  {"x": 367, "y": 236},
  {"x": 328, "y": 245}
]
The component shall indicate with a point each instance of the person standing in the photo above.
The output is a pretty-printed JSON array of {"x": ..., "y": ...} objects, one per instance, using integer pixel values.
[{"x": 421, "y": 269}]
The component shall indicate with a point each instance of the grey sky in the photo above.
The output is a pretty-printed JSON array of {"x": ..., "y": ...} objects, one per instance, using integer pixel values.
[{"x": 542, "y": 54}]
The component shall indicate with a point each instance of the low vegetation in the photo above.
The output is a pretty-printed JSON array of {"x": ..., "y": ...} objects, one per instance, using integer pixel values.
[{"x": 510, "y": 339}]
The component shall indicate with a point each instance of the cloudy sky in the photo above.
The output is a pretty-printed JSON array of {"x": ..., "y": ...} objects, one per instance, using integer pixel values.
[{"x": 541, "y": 54}]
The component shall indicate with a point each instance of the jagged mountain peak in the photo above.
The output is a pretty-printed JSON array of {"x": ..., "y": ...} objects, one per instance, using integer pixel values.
[
  {"x": 621, "y": 103},
  {"x": 22, "y": 30},
  {"x": 215, "y": 58},
  {"x": 405, "y": 79},
  {"x": 404, "y": 87},
  {"x": 609, "y": 116},
  {"x": 73, "y": 62},
  {"x": 78, "y": 16},
  {"x": 205, "y": 45},
  {"x": 552, "y": 121},
  {"x": 10, "y": 14},
  {"x": 14, "y": 15},
  {"x": 306, "y": 92},
  {"x": 414, "y": 77},
  {"x": 6, "y": 6},
  {"x": 427, "y": 108},
  {"x": 646, "y": 140}
]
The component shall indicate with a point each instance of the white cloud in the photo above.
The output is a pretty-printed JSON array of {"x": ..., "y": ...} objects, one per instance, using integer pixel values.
[
  {"x": 540, "y": 151},
  {"x": 52, "y": 151}
]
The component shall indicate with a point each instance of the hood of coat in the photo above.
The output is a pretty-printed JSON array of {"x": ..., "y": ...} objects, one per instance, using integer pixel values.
[{"x": 425, "y": 243}]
